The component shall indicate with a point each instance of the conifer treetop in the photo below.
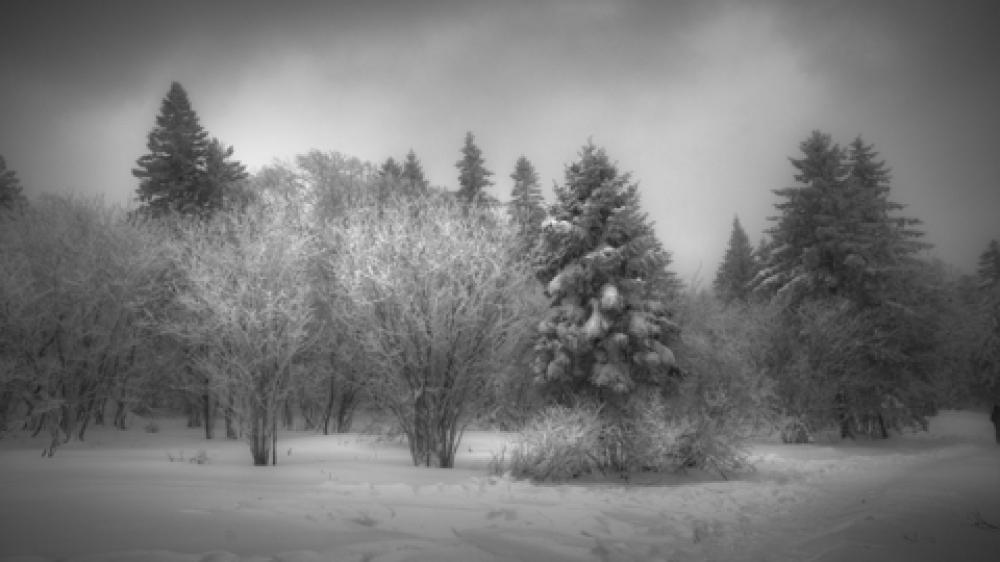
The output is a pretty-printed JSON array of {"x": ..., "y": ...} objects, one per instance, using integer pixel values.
[
  {"x": 738, "y": 267},
  {"x": 184, "y": 171},
  {"x": 838, "y": 234},
  {"x": 11, "y": 193},
  {"x": 473, "y": 176}
]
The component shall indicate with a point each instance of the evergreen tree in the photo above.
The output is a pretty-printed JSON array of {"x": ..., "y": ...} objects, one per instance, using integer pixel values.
[
  {"x": 175, "y": 175},
  {"x": 876, "y": 244},
  {"x": 845, "y": 264},
  {"x": 986, "y": 358},
  {"x": 989, "y": 266},
  {"x": 823, "y": 160},
  {"x": 837, "y": 235},
  {"x": 223, "y": 176},
  {"x": 473, "y": 176},
  {"x": 607, "y": 330},
  {"x": 11, "y": 194},
  {"x": 526, "y": 200},
  {"x": 738, "y": 267},
  {"x": 390, "y": 177},
  {"x": 794, "y": 235},
  {"x": 412, "y": 175},
  {"x": 391, "y": 170}
]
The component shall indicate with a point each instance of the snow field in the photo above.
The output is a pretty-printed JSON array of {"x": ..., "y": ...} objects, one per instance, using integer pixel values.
[{"x": 351, "y": 497}]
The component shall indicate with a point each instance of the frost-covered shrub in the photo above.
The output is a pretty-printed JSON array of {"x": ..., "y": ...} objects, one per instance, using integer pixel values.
[
  {"x": 725, "y": 397},
  {"x": 561, "y": 443},
  {"x": 564, "y": 443},
  {"x": 668, "y": 437}
]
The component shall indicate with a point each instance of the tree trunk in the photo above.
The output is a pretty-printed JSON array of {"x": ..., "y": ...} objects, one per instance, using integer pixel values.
[
  {"x": 433, "y": 433},
  {"x": 228, "y": 414},
  {"x": 84, "y": 418},
  {"x": 99, "y": 411},
  {"x": 121, "y": 415},
  {"x": 995, "y": 418},
  {"x": 206, "y": 406},
  {"x": 331, "y": 399},
  {"x": 288, "y": 415},
  {"x": 6, "y": 399},
  {"x": 260, "y": 438},
  {"x": 345, "y": 412},
  {"x": 843, "y": 416},
  {"x": 193, "y": 414},
  {"x": 67, "y": 421}
]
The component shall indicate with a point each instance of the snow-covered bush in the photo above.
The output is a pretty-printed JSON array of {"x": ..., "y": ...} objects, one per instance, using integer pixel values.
[
  {"x": 725, "y": 397},
  {"x": 562, "y": 443}
]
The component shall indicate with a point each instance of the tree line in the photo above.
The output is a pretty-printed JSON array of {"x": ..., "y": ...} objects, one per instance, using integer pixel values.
[{"x": 313, "y": 287}]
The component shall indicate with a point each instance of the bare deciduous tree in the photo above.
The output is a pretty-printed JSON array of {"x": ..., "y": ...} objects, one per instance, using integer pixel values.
[
  {"x": 74, "y": 274},
  {"x": 246, "y": 313},
  {"x": 435, "y": 298}
]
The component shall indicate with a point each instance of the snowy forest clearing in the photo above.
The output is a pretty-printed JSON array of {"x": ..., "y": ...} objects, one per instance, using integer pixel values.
[{"x": 119, "y": 496}]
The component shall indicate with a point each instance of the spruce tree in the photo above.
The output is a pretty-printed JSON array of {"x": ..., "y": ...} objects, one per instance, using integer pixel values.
[
  {"x": 793, "y": 262},
  {"x": 988, "y": 268},
  {"x": 607, "y": 331},
  {"x": 391, "y": 170},
  {"x": 738, "y": 267},
  {"x": 838, "y": 234},
  {"x": 841, "y": 251},
  {"x": 11, "y": 194},
  {"x": 390, "y": 177},
  {"x": 986, "y": 357},
  {"x": 175, "y": 175},
  {"x": 526, "y": 201},
  {"x": 412, "y": 176},
  {"x": 223, "y": 176},
  {"x": 473, "y": 176}
]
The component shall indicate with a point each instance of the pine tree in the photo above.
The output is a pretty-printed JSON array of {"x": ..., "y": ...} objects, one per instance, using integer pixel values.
[
  {"x": 11, "y": 194},
  {"x": 473, "y": 176},
  {"x": 526, "y": 200},
  {"x": 412, "y": 175},
  {"x": 607, "y": 330},
  {"x": 174, "y": 175},
  {"x": 738, "y": 267}
]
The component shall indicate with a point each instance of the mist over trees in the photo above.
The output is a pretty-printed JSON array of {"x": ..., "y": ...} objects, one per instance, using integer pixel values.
[{"x": 324, "y": 286}]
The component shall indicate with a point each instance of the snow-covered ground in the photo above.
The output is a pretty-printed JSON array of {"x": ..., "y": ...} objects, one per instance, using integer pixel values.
[{"x": 119, "y": 497}]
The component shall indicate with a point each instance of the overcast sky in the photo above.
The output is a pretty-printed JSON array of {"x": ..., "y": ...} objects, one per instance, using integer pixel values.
[{"x": 702, "y": 101}]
